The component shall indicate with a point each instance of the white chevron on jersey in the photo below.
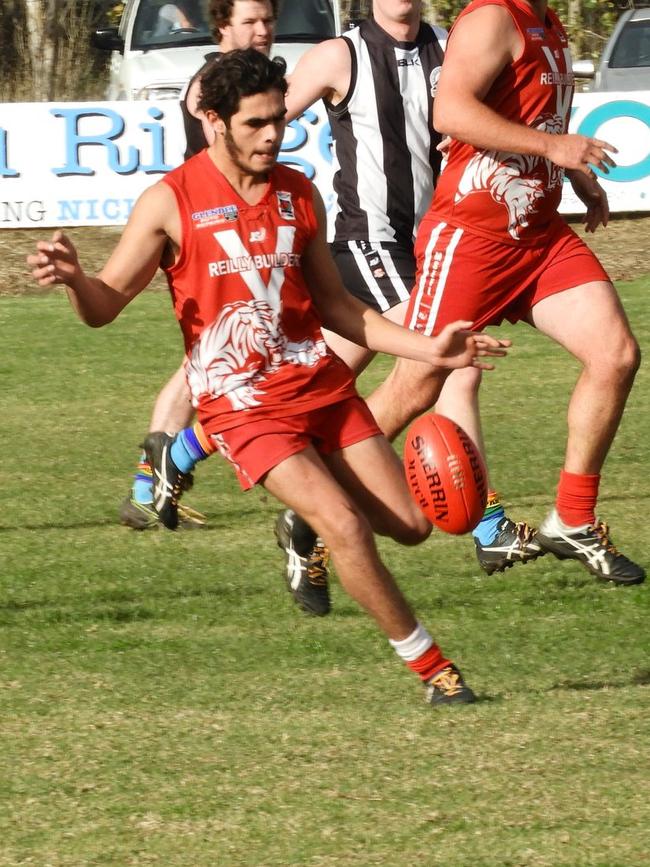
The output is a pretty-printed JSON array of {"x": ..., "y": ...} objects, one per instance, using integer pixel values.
[
  {"x": 564, "y": 92},
  {"x": 234, "y": 247}
]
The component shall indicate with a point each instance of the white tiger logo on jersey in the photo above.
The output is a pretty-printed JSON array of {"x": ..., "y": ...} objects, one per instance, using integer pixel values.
[
  {"x": 508, "y": 178},
  {"x": 235, "y": 355},
  {"x": 245, "y": 344}
]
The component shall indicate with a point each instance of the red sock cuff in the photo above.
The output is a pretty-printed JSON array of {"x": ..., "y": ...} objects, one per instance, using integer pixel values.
[
  {"x": 576, "y": 498},
  {"x": 431, "y": 662}
]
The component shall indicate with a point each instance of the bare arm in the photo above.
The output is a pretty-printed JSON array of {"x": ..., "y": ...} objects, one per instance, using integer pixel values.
[
  {"x": 322, "y": 72},
  {"x": 192, "y": 103},
  {"x": 591, "y": 194},
  {"x": 468, "y": 74},
  {"x": 129, "y": 269},
  {"x": 346, "y": 315}
]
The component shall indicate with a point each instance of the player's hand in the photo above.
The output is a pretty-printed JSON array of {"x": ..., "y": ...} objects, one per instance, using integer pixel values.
[
  {"x": 590, "y": 193},
  {"x": 55, "y": 261},
  {"x": 457, "y": 346},
  {"x": 580, "y": 153}
]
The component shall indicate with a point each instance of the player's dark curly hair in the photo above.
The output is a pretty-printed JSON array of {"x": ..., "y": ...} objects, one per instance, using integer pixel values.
[
  {"x": 236, "y": 74},
  {"x": 220, "y": 13}
]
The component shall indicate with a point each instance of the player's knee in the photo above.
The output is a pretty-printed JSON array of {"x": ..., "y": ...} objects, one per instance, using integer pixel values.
[
  {"x": 420, "y": 393},
  {"x": 620, "y": 361},
  {"x": 414, "y": 532},
  {"x": 632, "y": 357},
  {"x": 466, "y": 381},
  {"x": 410, "y": 528},
  {"x": 352, "y": 527},
  {"x": 346, "y": 526}
]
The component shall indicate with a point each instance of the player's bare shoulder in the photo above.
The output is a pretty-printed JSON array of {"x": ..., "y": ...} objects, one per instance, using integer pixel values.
[
  {"x": 156, "y": 213},
  {"x": 323, "y": 72},
  {"x": 492, "y": 27},
  {"x": 334, "y": 52},
  {"x": 157, "y": 202}
]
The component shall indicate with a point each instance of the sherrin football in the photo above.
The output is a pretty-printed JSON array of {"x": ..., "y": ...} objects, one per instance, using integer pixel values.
[{"x": 445, "y": 473}]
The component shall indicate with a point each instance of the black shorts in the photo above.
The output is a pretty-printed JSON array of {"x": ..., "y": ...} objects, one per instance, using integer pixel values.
[{"x": 380, "y": 275}]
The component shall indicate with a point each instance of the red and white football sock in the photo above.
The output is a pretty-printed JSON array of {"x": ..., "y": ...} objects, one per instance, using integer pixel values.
[{"x": 421, "y": 653}]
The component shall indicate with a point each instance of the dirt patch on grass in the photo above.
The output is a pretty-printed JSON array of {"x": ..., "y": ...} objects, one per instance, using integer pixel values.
[
  {"x": 93, "y": 243},
  {"x": 622, "y": 248}
]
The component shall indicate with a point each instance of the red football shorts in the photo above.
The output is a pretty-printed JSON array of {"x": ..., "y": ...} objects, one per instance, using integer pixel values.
[
  {"x": 464, "y": 276},
  {"x": 254, "y": 449}
]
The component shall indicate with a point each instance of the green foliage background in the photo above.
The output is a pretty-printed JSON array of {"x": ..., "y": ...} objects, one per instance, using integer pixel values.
[
  {"x": 78, "y": 70},
  {"x": 589, "y": 22}
]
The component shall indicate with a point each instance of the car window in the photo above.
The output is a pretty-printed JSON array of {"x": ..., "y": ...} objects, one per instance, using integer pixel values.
[
  {"x": 305, "y": 21},
  {"x": 159, "y": 24},
  {"x": 632, "y": 49}
]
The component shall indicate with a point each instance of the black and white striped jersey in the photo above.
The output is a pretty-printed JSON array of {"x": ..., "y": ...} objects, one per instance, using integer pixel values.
[{"x": 385, "y": 156}]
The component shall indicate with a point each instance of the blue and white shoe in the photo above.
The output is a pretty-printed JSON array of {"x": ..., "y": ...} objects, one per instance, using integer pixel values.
[{"x": 513, "y": 543}]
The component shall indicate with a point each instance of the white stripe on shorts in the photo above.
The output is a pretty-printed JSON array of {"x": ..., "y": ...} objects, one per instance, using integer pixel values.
[
  {"x": 433, "y": 237},
  {"x": 391, "y": 270},
  {"x": 366, "y": 273},
  {"x": 402, "y": 292},
  {"x": 430, "y": 275}
]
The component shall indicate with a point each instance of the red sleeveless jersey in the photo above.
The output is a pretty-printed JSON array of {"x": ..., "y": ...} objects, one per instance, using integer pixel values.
[
  {"x": 508, "y": 197},
  {"x": 252, "y": 334}
]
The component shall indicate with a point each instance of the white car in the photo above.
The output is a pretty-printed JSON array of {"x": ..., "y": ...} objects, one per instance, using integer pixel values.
[
  {"x": 154, "y": 52},
  {"x": 625, "y": 61}
]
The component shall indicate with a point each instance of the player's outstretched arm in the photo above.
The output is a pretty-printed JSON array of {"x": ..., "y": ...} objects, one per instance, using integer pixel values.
[
  {"x": 456, "y": 346},
  {"x": 130, "y": 267}
]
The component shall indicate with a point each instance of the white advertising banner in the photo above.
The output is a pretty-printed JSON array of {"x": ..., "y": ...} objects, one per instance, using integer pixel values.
[
  {"x": 85, "y": 164},
  {"x": 623, "y": 120}
]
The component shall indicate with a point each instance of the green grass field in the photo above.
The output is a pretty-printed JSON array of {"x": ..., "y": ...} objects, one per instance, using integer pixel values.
[{"x": 163, "y": 702}]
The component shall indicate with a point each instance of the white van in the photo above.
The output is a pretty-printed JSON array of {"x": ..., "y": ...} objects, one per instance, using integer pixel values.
[
  {"x": 155, "y": 53},
  {"x": 625, "y": 61}
]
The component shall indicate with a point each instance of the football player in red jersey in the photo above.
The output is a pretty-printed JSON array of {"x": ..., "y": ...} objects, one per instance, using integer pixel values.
[
  {"x": 494, "y": 247},
  {"x": 234, "y": 24},
  {"x": 378, "y": 85},
  {"x": 242, "y": 242}
]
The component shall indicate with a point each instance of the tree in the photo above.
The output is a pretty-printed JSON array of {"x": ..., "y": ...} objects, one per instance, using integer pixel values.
[
  {"x": 40, "y": 18},
  {"x": 46, "y": 49},
  {"x": 588, "y": 22}
]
